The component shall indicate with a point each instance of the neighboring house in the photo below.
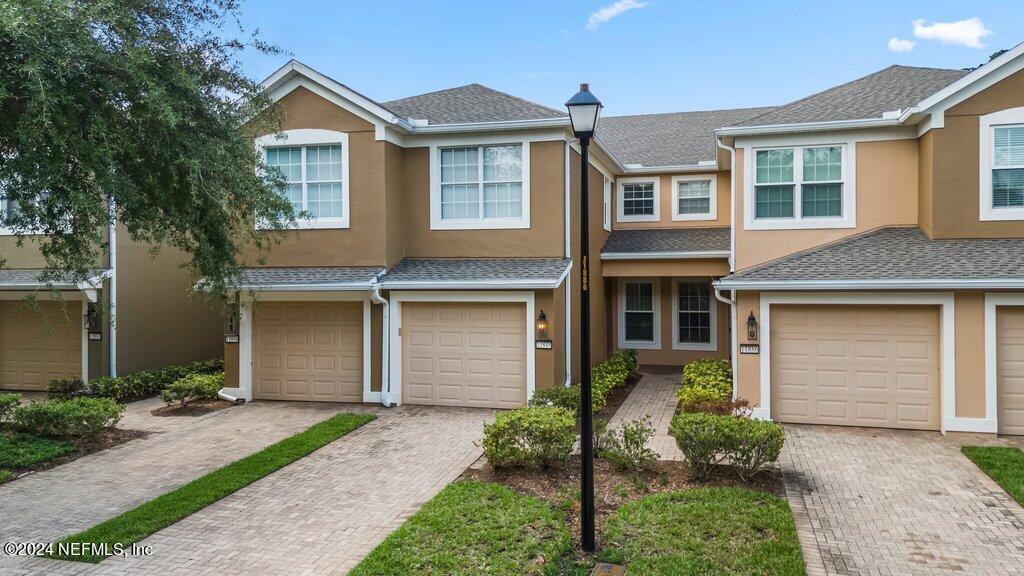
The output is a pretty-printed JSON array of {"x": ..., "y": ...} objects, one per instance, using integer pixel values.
[
  {"x": 854, "y": 252},
  {"x": 92, "y": 329}
]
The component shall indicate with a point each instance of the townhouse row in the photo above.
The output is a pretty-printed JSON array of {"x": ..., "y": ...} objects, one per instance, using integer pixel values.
[{"x": 856, "y": 254}]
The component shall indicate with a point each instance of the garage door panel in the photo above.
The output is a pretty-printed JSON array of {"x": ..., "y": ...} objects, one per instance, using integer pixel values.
[
  {"x": 855, "y": 365},
  {"x": 464, "y": 354},
  {"x": 308, "y": 351},
  {"x": 1010, "y": 369},
  {"x": 38, "y": 345}
]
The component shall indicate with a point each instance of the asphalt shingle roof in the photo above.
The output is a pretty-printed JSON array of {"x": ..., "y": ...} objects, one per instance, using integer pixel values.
[
  {"x": 472, "y": 103},
  {"x": 893, "y": 88},
  {"x": 673, "y": 139},
  {"x": 256, "y": 277},
  {"x": 482, "y": 270},
  {"x": 18, "y": 277},
  {"x": 667, "y": 240},
  {"x": 899, "y": 253}
]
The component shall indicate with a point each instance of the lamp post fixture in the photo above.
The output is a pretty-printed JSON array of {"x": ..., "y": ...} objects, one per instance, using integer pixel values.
[{"x": 584, "y": 112}]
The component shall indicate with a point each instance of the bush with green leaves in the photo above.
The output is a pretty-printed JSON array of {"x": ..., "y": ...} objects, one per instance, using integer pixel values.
[
  {"x": 707, "y": 381},
  {"x": 64, "y": 388},
  {"x": 8, "y": 402},
  {"x": 567, "y": 397},
  {"x": 531, "y": 436},
  {"x": 627, "y": 447},
  {"x": 193, "y": 388},
  {"x": 148, "y": 383},
  {"x": 68, "y": 418},
  {"x": 707, "y": 440},
  {"x": 605, "y": 377}
]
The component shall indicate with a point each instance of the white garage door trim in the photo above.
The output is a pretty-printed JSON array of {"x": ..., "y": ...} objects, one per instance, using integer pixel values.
[
  {"x": 947, "y": 368},
  {"x": 992, "y": 301},
  {"x": 245, "y": 332},
  {"x": 397, "y": 298}
]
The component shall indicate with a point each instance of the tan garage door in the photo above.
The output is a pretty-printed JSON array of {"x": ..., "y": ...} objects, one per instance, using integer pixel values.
[
  {"x": 460, "y": 354},
  {"x": 37, "y": 346},
  {"x": 308, "y": 351},
  {"x": 856, "y": 365},
  {"x": 1010, "y": 369}
]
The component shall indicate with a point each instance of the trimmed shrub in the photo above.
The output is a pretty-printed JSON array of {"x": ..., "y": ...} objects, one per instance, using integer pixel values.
[
  {"x": 627, "y": 446},
  {"x": 706, "y": 440},
  {"x": 194, "y": 388},
  {"x": 605, "y": 377},
  {"x": 532, "y": 436},
  {"x": 723, "y": 407},
  {"x": 567, "y": 397},
  {"x": 64, "y": 388},
  {"x": 710, "y": 373},
  {"x": 68, "y": 418},
  {"x": 694, "y": 397},
  {"x": 8, "y": 402},
  {"x": 148, "y": 383}
]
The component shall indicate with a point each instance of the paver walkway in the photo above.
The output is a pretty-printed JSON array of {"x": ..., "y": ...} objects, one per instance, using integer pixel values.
[
  {"x": 319, "y": 515},
  {"x": 655, "y": 396},
  {"x": 886, "y": 502}
]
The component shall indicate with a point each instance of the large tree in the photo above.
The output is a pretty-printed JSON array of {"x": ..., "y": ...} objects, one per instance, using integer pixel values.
[{"x": 138, "y": 102}]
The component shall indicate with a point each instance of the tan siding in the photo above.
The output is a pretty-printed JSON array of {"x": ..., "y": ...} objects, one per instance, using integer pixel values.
[
  {"x": 970, "y": 354},
  {"x": 925, "y": 183},
  {"x": 658, "y": 268},
  {"x": 748, "y": 377},
  {"x": 599, "y": 339},
  {"x": 394, "y": 203},
  {"x": 722, "y": 182}
]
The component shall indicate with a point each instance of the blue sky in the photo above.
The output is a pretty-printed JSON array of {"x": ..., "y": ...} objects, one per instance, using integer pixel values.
[{"x": 639, "y": 56}]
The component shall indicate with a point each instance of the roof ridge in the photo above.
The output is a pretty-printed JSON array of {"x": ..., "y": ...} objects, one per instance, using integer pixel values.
[{"x": 477, "y": 84}]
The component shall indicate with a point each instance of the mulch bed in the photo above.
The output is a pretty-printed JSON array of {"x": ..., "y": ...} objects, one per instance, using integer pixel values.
[
  {"x": 193, "y": 408},
  {"x": 106, "y": 438},
  {"x": 612, "y": 487}
]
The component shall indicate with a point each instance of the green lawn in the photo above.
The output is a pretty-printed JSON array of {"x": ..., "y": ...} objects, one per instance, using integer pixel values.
[
  {"x": 704, "y": 531},
  {"x": 1004, "y": 464},
  {"x": 469, "y": 529},
  {"x": 142, "y": 521},
  {"x": 21, "y": 450}
]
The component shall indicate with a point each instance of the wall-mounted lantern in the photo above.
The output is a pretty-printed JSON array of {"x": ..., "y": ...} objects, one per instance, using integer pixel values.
[
  {"x": 542, "y": 327},
  {"x": 751, "y": 326},
  {"x": 231, "y": 321},
  {"x": 92, "y": 323}
]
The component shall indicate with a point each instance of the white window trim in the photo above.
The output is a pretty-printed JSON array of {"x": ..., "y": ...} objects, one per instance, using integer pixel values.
[
  {"x": 315, "y": 137},
  {"x": 712, "y": 213},
  {"x": 712, "y": 345},
  {"x": 607, "y": 206},
  {"x": 621, "y": 217},
  {"x": 656, "y": 303},
  {"x": 438, "y": 223},
  {"x": 986, "y": 158},
  {"x": 798, "y": 222}
]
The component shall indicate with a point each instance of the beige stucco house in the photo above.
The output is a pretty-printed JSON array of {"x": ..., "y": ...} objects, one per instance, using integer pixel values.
[{"x": 858, "y": 254}]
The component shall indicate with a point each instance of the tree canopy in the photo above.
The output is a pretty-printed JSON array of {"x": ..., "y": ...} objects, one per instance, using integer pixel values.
[{"x": 138, "y": 102}]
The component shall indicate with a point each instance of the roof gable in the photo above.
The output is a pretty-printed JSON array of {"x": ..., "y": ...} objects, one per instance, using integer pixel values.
[{"x": 468, "y": 104}]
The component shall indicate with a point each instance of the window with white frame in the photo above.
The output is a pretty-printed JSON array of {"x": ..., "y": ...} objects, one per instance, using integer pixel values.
[
  {"x": 482, "y": 183},
  {"x": 799, "y": 183},
  {"x": 638, "y": 199},
  {"x": 1008, "y": 167},
  {"x": 694, "y": 197},
  {"x": 314, "y": 166},
  {"x": 694, "y": 322},
  {"x": 639, "y": 313}
]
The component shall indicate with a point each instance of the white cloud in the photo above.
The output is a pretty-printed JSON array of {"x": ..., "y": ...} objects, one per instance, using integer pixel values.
[
  {"x": 967, "y": 32},
  {"x": 611, "y": 11},
  {"x": 900, "y": 45},
  {"x": 539, "y": 75}
]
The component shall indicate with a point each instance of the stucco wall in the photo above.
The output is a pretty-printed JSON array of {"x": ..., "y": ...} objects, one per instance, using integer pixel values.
[{"x": 722, "y": 182}]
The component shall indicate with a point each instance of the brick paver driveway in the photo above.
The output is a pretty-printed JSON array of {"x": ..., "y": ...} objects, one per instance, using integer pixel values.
[
  {"x": 319, "y": 515},
  {"x": 891, "y": 502}
]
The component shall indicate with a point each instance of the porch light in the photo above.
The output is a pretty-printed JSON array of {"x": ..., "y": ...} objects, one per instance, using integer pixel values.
[
  {"x": 584, "y": 111},
  {"x": 751, "y": 326},
  {"x": 542, "y": 326}
]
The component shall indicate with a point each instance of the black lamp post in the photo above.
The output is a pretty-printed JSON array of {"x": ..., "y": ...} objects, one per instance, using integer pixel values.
[{"x": 584, "y": 112}]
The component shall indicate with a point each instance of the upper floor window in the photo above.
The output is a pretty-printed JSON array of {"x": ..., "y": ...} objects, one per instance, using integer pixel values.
[
  {"x": 482, "y": 186},
  {"x": 1008, "y": 167},
  {"x": 314, "y": 165},
  {"x": 694, "y": 198},
  {"x": 800, "y": 187},
  {"x": 638, "y": 200}
]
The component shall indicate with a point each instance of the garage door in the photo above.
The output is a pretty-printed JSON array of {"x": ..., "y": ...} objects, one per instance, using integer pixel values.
[
  {"x": 37, "y": 346},
  {"x": 460, "y": 354},
  {"x": 856, "y": 365},
  {"x": 1010, "y": 369},
  {"x": 308, "y": 351}
]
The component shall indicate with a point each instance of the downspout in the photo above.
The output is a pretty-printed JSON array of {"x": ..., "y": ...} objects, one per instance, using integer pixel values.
[
  {"x": 732, "y": 202},
  {"x": 735, "y": 338},
  {"x": 112, "y": 315},
  {"x": 568, "y": 278},
  {"x": 385, "y": 352}
]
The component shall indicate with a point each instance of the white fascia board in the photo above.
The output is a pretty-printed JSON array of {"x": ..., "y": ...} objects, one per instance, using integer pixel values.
[
  {"x": 328, "y": 287},
  {"x": 664, "y": 255},
  {"x": 491, "y": 126},
  {"x": 704, "y": 168},
  {"x": 982, "y": 72},
  {"x": 477, "y": 284},
  {"x": 807, "y": 127},
  {"x": 896, "y": 284}
]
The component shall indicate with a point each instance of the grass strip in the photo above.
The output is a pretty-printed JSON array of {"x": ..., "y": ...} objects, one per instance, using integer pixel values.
[
  {"x": 471, "y": 529},
  {"x": 1004, "y": 464},
  {"x": 144, "y": 520}
]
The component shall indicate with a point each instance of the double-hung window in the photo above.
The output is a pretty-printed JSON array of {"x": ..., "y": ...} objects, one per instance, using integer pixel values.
[
  {"x": 314, "y": 166},
  {"x": 1008, "y": 167},
  {"x": 638, "y": 200},
  {"x": 482, "y": 186},
  {"x": 694, "y": 321},
  {"x": 639, "y": 314},
  {"x": 694, "y": 198},
  {"x": 802, "y": 184}
]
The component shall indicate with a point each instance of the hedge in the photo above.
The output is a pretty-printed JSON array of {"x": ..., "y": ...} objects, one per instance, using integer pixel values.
[
  {"x": 133, "y": 386},
  {"x": 605, "y": 377}
]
